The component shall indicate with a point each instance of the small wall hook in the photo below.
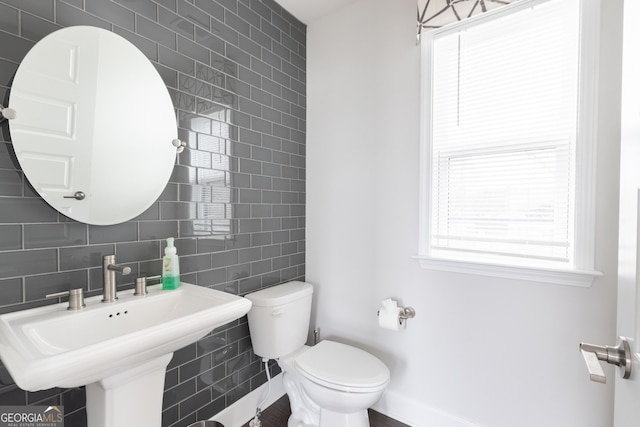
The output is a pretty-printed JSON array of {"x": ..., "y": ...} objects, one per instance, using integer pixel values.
[{"x": 179, "y": 145}]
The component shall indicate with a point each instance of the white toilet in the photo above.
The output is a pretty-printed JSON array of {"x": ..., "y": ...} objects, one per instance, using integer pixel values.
[{"x": 330, "y": 384}]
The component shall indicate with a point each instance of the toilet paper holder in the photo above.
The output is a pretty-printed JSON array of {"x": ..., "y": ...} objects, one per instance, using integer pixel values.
[
  {"x": 404, "y": 314},
  {"x": 407, "y": 312}
]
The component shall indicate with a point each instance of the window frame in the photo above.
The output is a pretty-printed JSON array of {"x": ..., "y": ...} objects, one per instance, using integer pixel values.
[{"x": 582, "y": 273}]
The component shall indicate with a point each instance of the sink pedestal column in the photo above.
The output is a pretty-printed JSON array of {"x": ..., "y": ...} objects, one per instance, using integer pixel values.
[{"x": 130, "y": 398}]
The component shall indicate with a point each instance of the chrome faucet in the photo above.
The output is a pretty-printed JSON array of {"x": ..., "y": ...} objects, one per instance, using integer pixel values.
[{"x": 109, "y": 269}]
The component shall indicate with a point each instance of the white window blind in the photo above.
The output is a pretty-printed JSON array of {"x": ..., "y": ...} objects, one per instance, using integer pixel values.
[{"x": 503, "y": 136}]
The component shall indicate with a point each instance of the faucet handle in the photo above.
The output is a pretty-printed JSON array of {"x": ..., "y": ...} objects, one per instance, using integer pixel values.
[
  {"x": 141, "y": 284},
  {"x": 76, "y": 298}
]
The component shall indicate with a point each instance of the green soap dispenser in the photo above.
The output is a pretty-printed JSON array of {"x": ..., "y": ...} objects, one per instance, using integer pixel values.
[{"x": 170, "y": 267}]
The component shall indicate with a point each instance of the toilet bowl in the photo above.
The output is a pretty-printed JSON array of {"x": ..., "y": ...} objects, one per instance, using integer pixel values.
[{"x": 330, "y": 384}]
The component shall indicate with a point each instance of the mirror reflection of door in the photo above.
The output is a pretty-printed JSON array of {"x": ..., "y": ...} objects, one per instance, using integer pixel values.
[
  {"x": 54, "y": 126},
  {"x": 93, "y": 116}
]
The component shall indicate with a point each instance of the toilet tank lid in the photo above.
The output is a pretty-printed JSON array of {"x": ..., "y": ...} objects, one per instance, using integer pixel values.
[{"x": 280, "y": 294}]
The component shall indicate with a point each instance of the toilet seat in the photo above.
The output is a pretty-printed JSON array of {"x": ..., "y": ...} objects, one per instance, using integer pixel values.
[{"x": 342, "y": 367}]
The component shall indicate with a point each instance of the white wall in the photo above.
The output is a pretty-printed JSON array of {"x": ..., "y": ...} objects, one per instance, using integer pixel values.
[{"x": 481, "y": 351}]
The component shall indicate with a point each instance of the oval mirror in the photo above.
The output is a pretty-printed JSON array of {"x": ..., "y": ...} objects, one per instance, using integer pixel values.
[{"x": 94, "y": 125}]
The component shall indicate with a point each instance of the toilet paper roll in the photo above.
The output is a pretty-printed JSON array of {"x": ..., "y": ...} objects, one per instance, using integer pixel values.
[{"x": 389, "y": 316}]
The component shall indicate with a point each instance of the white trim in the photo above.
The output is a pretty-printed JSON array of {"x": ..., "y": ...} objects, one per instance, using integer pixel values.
[
  {"x": 586, "y": 156},
  {"x": 586, "y": 149},
  {"x": 417, "y": 414},
  {"x": 581, "y": 278},
  {"x": 425, "y": 145},
  {"x": 244, "y": 409}
]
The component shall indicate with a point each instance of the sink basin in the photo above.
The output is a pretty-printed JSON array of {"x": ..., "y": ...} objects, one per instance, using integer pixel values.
[{"x": 52, "y": 347}]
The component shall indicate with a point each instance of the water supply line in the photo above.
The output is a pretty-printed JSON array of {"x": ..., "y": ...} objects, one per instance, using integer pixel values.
[{"x": 255, "y": 422}]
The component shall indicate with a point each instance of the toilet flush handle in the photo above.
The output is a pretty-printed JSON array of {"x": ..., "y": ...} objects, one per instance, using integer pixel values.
[{"x": 277, "y": 312}]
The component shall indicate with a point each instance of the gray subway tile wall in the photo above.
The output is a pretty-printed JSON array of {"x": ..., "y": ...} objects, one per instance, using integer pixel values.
[{"x": 235, "y": 70}]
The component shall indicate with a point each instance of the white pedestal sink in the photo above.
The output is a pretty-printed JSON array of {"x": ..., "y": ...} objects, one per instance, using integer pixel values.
[{"x": 120, "y": 351}]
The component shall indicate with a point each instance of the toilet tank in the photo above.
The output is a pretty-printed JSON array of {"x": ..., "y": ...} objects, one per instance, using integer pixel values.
[{"x": 279, "y": 319}]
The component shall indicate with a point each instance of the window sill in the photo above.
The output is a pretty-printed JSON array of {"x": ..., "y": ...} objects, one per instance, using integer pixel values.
[{"x": 581, "y": 278}]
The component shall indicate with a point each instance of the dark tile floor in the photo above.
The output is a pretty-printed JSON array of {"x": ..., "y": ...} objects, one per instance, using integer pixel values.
[{"x": 277, "y": 415}]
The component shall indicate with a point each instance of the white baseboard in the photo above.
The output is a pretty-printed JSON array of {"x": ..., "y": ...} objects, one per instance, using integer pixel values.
[
  {"x": 244, "y": 409},
  {"x": 392, "y": 404},
  {"x": 415, "y": 413}
]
